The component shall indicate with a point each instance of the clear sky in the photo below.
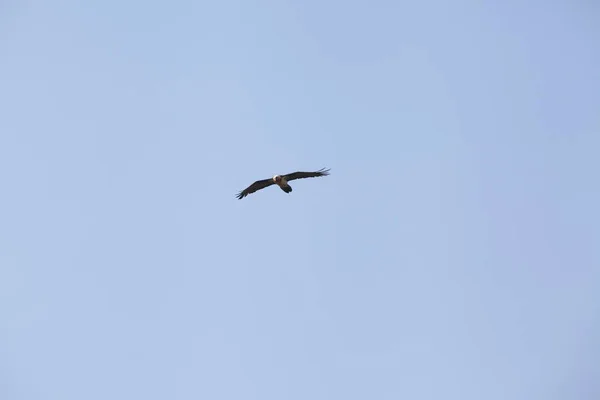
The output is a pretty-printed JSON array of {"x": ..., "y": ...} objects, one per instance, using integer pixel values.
[{"x": 453, "y": 252}]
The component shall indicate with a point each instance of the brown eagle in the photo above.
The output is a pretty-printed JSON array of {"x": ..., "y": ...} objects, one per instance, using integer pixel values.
[{"x": 281, "y": 181}]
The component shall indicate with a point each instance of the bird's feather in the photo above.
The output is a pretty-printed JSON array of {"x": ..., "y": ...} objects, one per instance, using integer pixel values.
[
  {"x": 302, "y": 175},
  {"x": 254, "y": 187}
]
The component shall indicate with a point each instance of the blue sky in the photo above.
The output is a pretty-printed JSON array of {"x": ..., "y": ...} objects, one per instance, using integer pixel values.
[{"x": 453, "y": 253}]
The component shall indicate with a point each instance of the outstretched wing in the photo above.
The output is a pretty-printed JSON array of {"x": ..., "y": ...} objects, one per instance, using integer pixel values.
[
  {"x": 254, "y": 187},
  {"x": 302, "y": 175}
]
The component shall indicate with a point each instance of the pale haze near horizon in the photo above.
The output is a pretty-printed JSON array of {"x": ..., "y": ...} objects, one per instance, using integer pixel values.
[{"x": 453, "y": 252}]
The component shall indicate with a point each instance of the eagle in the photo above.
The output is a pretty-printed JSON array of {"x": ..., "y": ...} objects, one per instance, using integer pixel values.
[{"x": 281, "y": 181}]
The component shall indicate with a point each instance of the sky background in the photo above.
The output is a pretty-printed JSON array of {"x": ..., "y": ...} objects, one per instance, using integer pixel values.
[{"x": 453, "y": 252}]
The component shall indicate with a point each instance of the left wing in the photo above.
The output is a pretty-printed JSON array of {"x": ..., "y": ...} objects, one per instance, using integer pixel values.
[
  {"x": 254, "y": 187},
  {"x": 302, "y": 175}
]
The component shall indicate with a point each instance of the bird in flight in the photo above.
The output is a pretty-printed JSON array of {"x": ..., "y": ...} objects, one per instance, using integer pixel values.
[{"x": 281, "y": 181}]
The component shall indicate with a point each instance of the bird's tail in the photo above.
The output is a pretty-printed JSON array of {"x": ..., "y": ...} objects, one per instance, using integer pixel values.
[{"x": 286, "y": 188}]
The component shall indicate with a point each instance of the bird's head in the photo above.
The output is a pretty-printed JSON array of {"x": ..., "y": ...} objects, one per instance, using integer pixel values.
[{"x": 277, "y": 178}]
